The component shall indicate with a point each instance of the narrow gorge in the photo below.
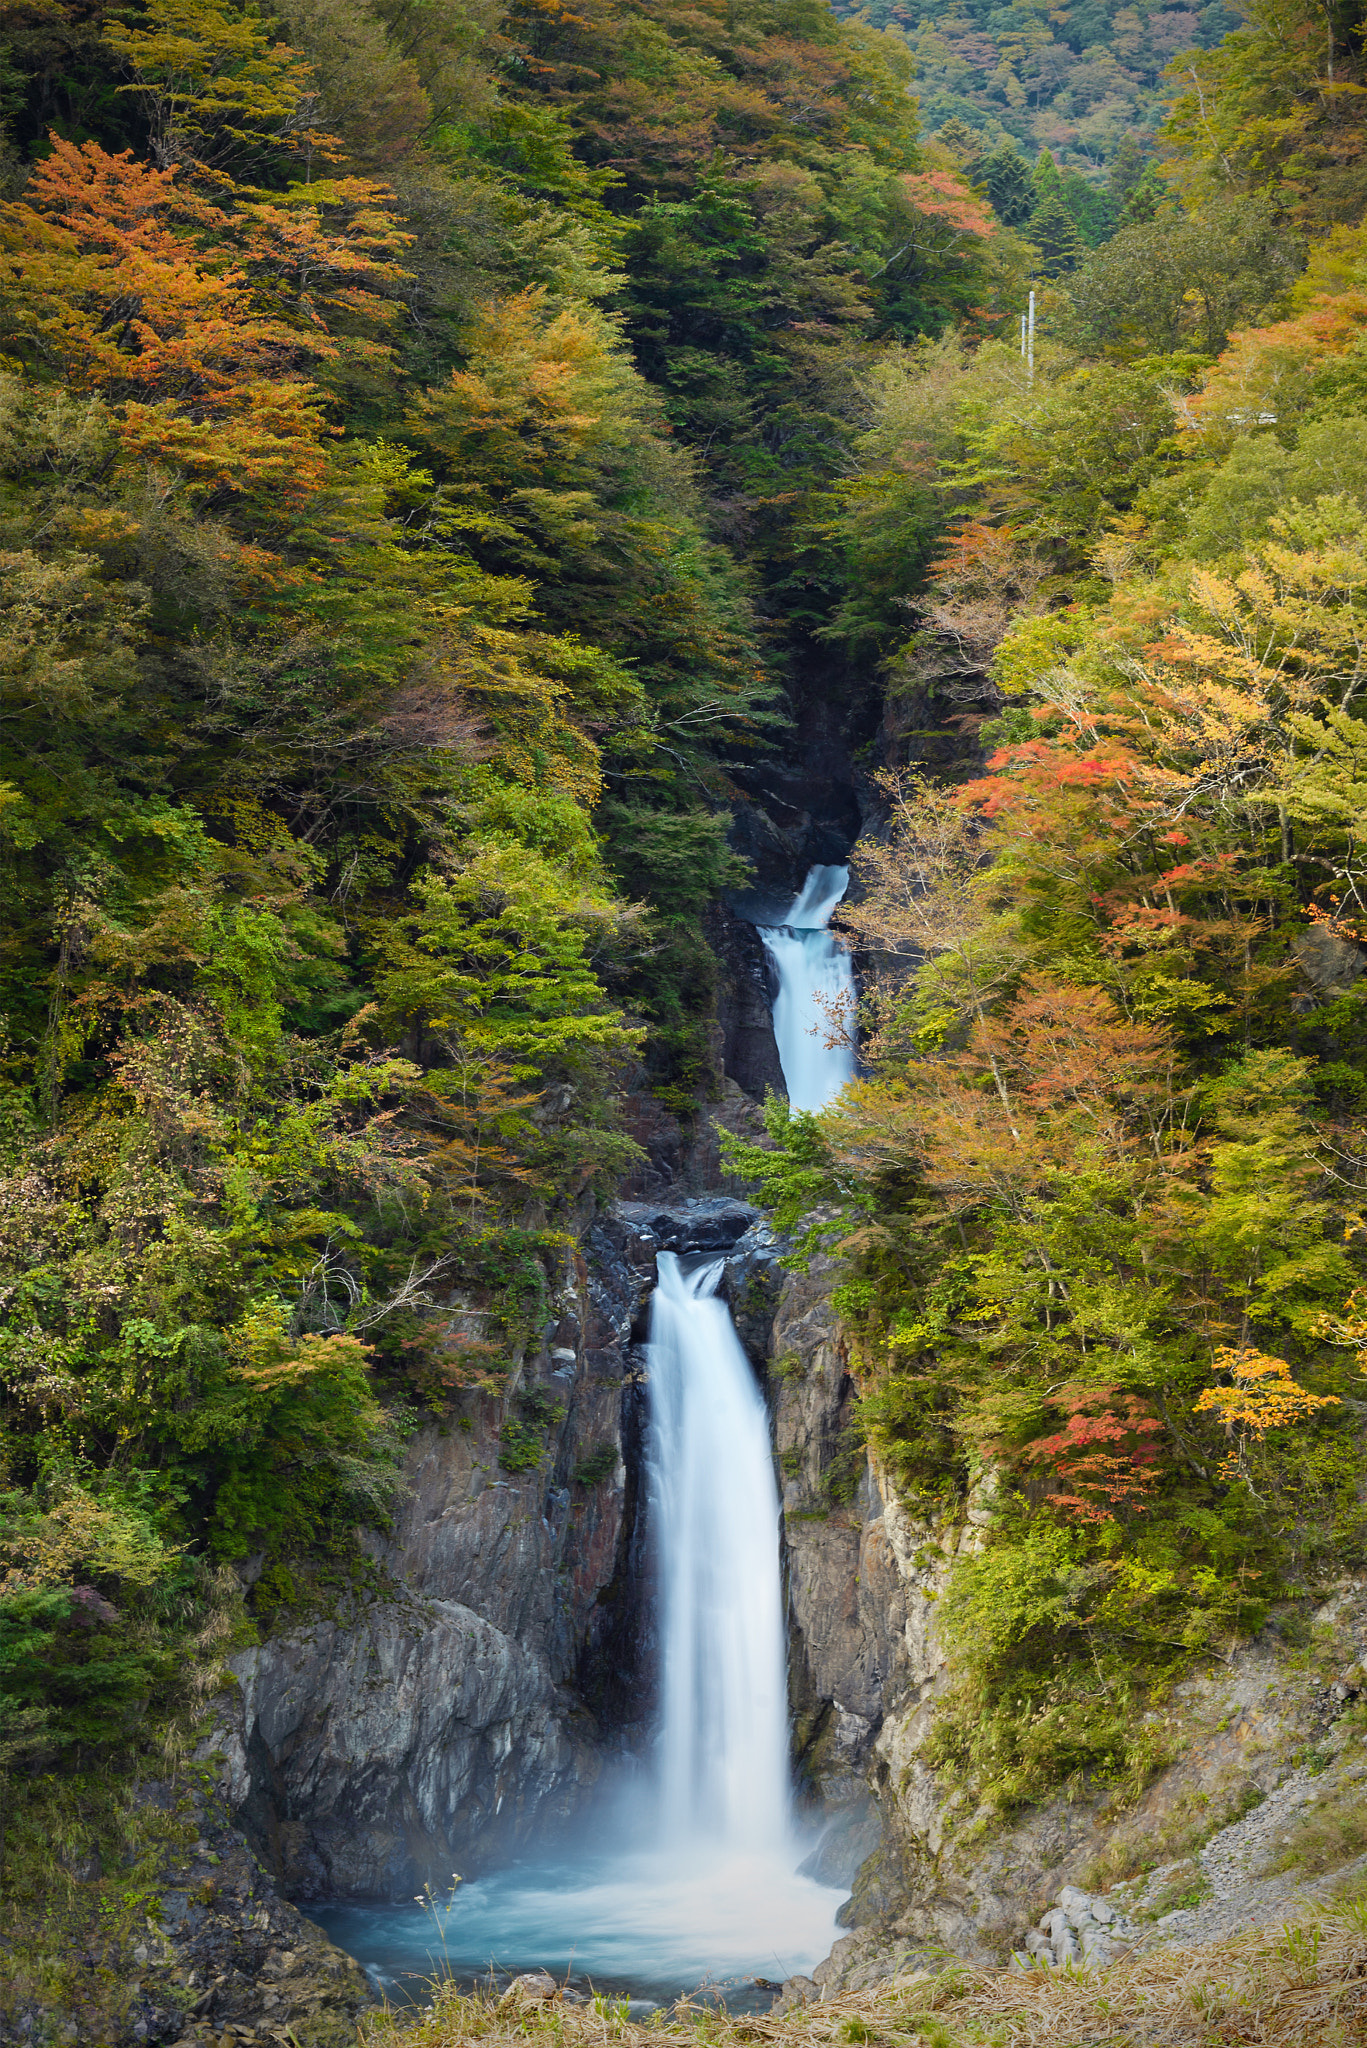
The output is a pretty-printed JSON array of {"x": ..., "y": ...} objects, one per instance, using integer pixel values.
[
  {"x": 683, "y": 1024},
  {"x": 650, "y": 1716},
  {"x": 578, "y": 1704}
]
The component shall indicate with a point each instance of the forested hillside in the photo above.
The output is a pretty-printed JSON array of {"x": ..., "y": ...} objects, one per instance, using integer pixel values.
[
  {"x": 413, "y": 425},
  {"x": 374, "y": 664},
  {"x": 1101, "y": 1189},
  {"x": 441, "y": 446},
  {"x": 1086, "y": 82}
]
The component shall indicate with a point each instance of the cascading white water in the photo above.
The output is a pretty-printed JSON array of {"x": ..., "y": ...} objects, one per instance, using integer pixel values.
[
  {"x": 698, "y": 1881},
  {"x": 723, "y": 1742},
  {"x": 814, "y": 1009}
]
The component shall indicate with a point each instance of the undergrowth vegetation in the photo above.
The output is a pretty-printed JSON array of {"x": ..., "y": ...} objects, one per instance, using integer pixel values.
[
  {"x": 1099, "y": 1192},
  {"x": 1294, "y": 1987}
]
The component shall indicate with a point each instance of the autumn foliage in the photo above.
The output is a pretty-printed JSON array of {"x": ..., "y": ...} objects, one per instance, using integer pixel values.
[
  {"x": 1103, "y": 1458},
  {"x": 1261, "y": 1396},
  {"x": 170, "y": 306},
  {"x": 1097, "y": 1187}
]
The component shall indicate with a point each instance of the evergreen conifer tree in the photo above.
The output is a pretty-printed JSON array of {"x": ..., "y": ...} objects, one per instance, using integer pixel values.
[
  {"x": 1054, "y": 233},
  {"x": 1046, "y": 178},
  {"x": 1127, "y": 168},
  {"x": 1005, "y": 176},
  {"x": 1091, "y": 206},
  {"x": 1144, "y": 200},
  {"x": 962, "y": 142}
]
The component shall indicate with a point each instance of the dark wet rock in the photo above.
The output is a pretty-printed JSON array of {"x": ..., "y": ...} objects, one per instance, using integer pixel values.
[
  {"x": 711, "y": 1224},
  {"x": 666, "y": 1165},
  {"x": 846, "y": 1843},
  {"x": 751, "y": 1287},
  {"x": 682, "y": 1159},
  {"x": 386, "y": 1744},
  {"x": 745, "y": 994},
  {"x": 800, "y": 809}
]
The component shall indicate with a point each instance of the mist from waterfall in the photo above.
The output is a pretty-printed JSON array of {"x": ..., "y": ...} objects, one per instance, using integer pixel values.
[
  {"x": 814, "y": 1009},
  {"x": 723, "y": 1741}
]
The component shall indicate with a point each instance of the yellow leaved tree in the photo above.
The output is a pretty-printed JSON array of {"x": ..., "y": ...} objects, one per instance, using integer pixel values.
[{"x": 1261, "y": 1396}]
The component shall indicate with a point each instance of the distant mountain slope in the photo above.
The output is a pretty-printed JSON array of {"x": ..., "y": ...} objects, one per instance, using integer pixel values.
[{"x": 1074, "y": 80}]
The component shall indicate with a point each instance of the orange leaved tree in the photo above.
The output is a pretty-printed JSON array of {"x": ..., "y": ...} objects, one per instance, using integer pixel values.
[{"x": 199, "y": 321}]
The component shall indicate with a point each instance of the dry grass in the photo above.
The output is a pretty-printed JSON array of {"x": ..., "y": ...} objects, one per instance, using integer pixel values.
[{"x": 1303, "y": 1986}]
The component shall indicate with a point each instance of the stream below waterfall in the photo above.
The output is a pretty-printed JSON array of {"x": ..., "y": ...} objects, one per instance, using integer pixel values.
[
  {"x": 694, "y": 1881},
  {"x": 648, "y": 1926}
]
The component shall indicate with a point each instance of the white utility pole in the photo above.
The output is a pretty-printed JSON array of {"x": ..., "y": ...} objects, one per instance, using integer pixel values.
[{"x": 1030, "y": 349}]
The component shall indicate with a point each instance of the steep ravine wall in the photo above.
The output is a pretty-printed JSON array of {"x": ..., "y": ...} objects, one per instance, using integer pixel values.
[
  {"x": 865, "y": 1578},
  {"x": 506, "y": 1661},
  {"x": 432, "y": 1728}
]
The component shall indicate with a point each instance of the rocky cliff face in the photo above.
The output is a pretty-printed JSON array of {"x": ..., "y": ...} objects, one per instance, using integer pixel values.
[
  {"x": 864, "y": 1580},
  {"x": 483, "y": 1695},
  {"x": 745, "y": 993},
  {"x": 1197, "y": 1854}
]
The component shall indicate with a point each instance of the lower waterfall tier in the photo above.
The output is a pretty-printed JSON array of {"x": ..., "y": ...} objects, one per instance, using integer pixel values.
[
  {"x": 721, "y": 1750},
  {"x": 696, "y": 1883}
]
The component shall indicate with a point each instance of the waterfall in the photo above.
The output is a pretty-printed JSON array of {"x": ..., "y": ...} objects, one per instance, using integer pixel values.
[
  {"x": 815, "y": 997},
  {"x": 723, "y": 1746},
  {"x": 692, "y": 1876}
]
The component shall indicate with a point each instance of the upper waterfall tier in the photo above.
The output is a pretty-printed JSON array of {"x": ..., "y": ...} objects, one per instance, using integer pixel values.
[
  {"x": 814, "y": 1010},
  {"x": 814, "y": 905}
]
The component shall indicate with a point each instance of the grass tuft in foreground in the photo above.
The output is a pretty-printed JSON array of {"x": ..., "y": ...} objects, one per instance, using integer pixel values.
[{"x": 1300, "y": 1986}]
